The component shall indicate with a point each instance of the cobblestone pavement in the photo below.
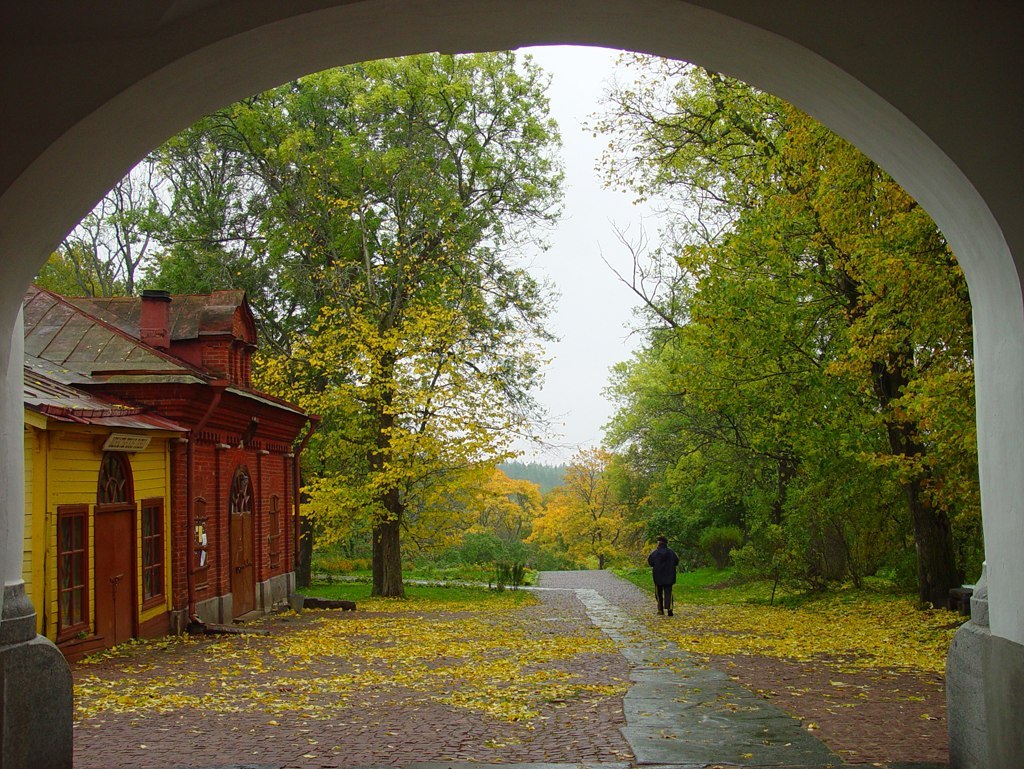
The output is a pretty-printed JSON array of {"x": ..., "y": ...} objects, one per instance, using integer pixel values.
[
  {"x": 676, "y": 712},
  {"x": 394, "y": 727}
]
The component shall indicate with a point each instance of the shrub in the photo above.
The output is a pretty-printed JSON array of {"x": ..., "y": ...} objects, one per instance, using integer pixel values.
[
  {"x": 332, "y": 563},
  {"x": 720, "y": 541},
  {"x": 480, "y": 548},
  {"x": 509, "y": 574}
]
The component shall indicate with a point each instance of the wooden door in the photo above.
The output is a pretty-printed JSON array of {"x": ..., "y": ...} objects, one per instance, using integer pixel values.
[
  {"x": 115, "y": 574},
  {"x": 243, "y": 571}
]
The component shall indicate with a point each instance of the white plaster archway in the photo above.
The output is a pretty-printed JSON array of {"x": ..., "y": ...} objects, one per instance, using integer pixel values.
[{"x": 917, "y": 87}]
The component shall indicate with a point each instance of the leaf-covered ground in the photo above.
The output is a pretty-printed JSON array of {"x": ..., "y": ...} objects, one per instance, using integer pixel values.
[
  {"x": 508, "y": 679},
  {"x": 849, "y": 634},
  {"x": 863, "y": 670},
  {"x": 502, "y": 678}
]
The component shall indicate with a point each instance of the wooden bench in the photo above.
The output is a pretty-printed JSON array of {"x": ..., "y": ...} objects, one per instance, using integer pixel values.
[{"x": 960, "y": 600}]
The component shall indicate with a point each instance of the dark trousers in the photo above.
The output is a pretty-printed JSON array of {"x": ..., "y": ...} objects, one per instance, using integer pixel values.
[{"x": 664, "y": 596}]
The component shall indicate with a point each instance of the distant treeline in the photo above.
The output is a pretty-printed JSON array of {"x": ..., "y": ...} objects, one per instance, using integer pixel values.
[{"x": 545, "y": 476}]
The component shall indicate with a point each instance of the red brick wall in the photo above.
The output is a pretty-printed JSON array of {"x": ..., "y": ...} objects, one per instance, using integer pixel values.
[
  {"x": 212, "y": 474},
  {"x": 216, "y": 356},
  {"x": 214, "y": 471},
  {"x": 180, "y": 536}
]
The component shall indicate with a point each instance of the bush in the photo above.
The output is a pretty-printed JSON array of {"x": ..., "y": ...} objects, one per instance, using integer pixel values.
[
  {"x": 720, "y": 541},
  {"x": 333, "y": 563},
  {"x": 901, "y": 571},
  {"x": 480, "y": 548},
  {"x": 509, "y": 574}
]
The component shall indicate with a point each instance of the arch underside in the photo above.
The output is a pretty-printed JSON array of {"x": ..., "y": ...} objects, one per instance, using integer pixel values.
[{"x": 885, "y": 78}]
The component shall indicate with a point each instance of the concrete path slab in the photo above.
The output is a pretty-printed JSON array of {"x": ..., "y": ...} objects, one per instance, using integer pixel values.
[{"x": 680, "y": 713}]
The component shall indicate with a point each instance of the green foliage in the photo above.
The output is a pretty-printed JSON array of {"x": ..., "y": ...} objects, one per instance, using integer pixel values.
[
  {"x": 807, "y": 374},
  {"x": 720, "y": 541},
  {"x": 63, "y": 274},
  {"x": 482, "y": 547}
]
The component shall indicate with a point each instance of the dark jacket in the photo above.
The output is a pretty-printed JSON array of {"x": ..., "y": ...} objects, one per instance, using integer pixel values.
[{"x": 663, "y": 562}]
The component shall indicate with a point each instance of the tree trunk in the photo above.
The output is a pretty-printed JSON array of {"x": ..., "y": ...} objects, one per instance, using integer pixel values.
[
  {"x": 933, "y": 533},
  {"x": 933, "y": 540},
  {"x": 786, "y": 473},
  {"x": 387, "y": 550},
  {"x": 376, "y": 561},
  {"x": 387, "y": 561}
]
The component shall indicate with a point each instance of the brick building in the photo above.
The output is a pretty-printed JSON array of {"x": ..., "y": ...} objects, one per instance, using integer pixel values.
[{"x": 232, "y": 474}]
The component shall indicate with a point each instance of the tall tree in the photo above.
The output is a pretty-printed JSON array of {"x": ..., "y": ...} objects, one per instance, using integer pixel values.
[
  {"x": 402, "y": 185},
  {"x": 106, "y": 252},
  {"x": 817, "y": 325},
  {"x": 372, "y": 213}
]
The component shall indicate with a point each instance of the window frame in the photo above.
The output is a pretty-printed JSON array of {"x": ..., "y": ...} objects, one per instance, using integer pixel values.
[
  {"x": 67, "y": 513},
  {"x": 274, "y": 529},
  {"x": 156, "y": 542},
  {"x": 124, "y": 465}
]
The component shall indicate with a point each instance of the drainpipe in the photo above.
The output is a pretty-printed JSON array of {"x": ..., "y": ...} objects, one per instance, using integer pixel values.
[
  {"x": 314, "y": 422},
  {"x": 218, "y": 386}
]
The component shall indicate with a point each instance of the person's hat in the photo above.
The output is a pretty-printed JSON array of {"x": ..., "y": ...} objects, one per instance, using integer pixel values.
[{"x": 663, "y": 539}]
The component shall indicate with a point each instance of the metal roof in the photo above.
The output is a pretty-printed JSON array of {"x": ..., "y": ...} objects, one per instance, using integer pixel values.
[
  {"x": 66, "y": 403},
  {"x": 68, "y": 346},
  {"x": 189, "y": 316},
  {"x": 63, "y": 334}
]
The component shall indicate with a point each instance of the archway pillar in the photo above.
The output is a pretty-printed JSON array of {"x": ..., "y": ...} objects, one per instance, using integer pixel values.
[
  {"x": 985, "y": 664},
  {"x": 34, "y": 676},
  {"x": 985, "y": 691}
]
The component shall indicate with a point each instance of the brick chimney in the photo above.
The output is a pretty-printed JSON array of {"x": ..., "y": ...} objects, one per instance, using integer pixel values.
[{"x": 153, "y": 320}]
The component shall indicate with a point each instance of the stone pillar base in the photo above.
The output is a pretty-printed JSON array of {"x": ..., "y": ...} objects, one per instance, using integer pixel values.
[
  {"x": 984, "y": 693},
  {"x": 36, "y": 712},
  {"x": 966, "y": 663}
]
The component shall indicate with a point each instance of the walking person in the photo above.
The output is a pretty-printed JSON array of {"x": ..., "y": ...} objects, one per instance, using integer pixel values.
[{"x": 663, "y": 562}]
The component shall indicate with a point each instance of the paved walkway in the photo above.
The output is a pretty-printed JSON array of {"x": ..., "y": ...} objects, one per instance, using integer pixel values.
[{"x": 678, "y": 712}]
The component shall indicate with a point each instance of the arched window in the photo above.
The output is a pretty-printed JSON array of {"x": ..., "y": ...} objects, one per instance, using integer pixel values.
[
  {"x": 241, "y": 492},
  {"x": 243, "y": 561},
  {"x": 115, "y": 483}
]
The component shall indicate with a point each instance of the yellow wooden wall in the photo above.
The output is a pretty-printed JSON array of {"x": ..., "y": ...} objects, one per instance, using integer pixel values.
[
  {"x": 151, "y": 470},
  {"x": 62, "y": 468}
]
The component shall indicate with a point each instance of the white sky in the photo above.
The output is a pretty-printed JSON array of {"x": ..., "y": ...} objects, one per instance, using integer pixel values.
[{"x": 593, "y": 315}]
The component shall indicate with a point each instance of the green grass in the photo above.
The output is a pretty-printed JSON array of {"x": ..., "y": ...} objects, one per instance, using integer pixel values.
[
  {"x": 359, "y": 591},
  {"x": 710, "y": 586}
]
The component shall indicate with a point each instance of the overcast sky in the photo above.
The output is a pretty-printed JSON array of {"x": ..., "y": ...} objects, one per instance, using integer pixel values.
[{"x": 592, "y": 317}]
